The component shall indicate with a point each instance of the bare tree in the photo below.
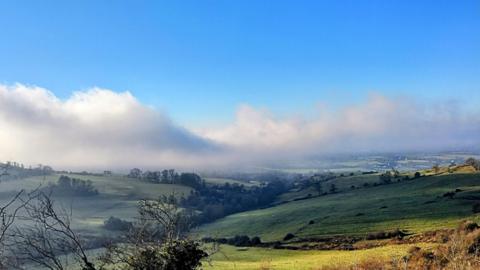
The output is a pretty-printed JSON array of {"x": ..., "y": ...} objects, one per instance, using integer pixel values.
[
  {"x": 9, "y": 213},
  {"x": 165, "y": 216},
  {"x": 157, "y": 241},
  {"x": 49, "y": 235}
]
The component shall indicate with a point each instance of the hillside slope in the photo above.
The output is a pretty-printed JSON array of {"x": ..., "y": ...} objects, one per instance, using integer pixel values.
[{"x": 416, "y": 205}]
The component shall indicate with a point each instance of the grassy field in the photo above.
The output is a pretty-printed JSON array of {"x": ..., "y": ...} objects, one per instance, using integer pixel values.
[
  {"x": 118, "y": 197},
  {"x": 415, "y": 205},
  {"x": 343, "y": 183},
  {"x": 261, "y": 258}
]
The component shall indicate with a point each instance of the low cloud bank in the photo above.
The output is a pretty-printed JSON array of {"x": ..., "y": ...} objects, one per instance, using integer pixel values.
[{"x": 99, "y": 128}]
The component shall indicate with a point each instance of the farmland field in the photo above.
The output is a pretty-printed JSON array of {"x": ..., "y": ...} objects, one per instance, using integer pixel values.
[
  {"x": 416, "y": 206},
  {"x": 118, "y": 197},
  {"x": 255, "y": 258}
]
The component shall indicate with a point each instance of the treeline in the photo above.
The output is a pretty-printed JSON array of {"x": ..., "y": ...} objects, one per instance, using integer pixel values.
[
  {"x": 14, "y": 170},
  {"x": 168, "y": 177},
  {"x": 217, "y": 201}
]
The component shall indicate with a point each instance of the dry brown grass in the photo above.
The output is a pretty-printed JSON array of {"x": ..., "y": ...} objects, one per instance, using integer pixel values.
[{"x": 460, "y": 252}]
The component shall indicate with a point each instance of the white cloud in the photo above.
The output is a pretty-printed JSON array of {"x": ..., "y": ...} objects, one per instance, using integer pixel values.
[
  {"x": 380, "y": 124},
  {"x": 94, "y": 128},
  {"x": 100, "y": 128}
]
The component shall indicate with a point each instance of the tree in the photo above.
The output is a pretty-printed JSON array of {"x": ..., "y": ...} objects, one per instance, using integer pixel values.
[
  {"x": 73, "y": 186},
  {"x": 473, "y": 162},
  {"x": 386, "y": 177},
  {"x": 318, "y": 187},
  {"x": 135, "y": 173},
  {"x": 49, "y": 235},
  {"x": 158, "y": 240},
  {"x": 333, "y": 188},
  {"x": 191, "y": 180},
  {"x": 436, "y": 168},
  {"x": 8, "y": 214}
]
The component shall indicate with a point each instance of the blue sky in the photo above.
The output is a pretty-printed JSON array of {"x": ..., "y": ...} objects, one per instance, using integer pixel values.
[{"x": 198, "y": 60}]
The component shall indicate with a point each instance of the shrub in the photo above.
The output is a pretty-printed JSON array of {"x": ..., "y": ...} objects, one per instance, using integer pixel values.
[
  {"x": 178, "y": 255},
  {"x": 239, "y": 241},
  {"x": 288, "y": 236},
  {"x": 182, "y": 255},
  {"x": 255, "y": 241},
  {"x": 449, "y": 195},
  {"x": 385, "y": 235}
]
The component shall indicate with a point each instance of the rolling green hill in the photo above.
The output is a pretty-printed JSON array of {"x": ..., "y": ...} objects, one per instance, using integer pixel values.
[
  {"x": 416, "y": 205},
  {"x": 118, "y": 197}
]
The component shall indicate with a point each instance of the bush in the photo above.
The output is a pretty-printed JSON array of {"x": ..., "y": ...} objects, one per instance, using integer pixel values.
[
  {"x": 178, "y": 255},
  {"x": 255, "y": 241},
  {"x": 385, "y": 235},
  {"x": 449, "y": 195},
  {"x": 288, "y": 236},
  {"x": 468, "y": 226},
  {"x": 182, "y": 255},
  {"x": 239, "y": 241}
]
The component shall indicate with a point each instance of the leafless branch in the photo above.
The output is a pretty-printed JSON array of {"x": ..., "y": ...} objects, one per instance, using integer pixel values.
[{"x": 50, "y": 235}]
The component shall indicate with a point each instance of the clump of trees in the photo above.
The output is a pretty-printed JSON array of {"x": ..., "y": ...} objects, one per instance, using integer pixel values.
[
  {"x": 217, "y": 201},
  {"x": 73, "y": 186},
  {"x": 18, "y": 170},
  {"x": 168, "y": 177},
  {"x": 388, "y": 176},
  {"x": 237, "y": 240}
]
